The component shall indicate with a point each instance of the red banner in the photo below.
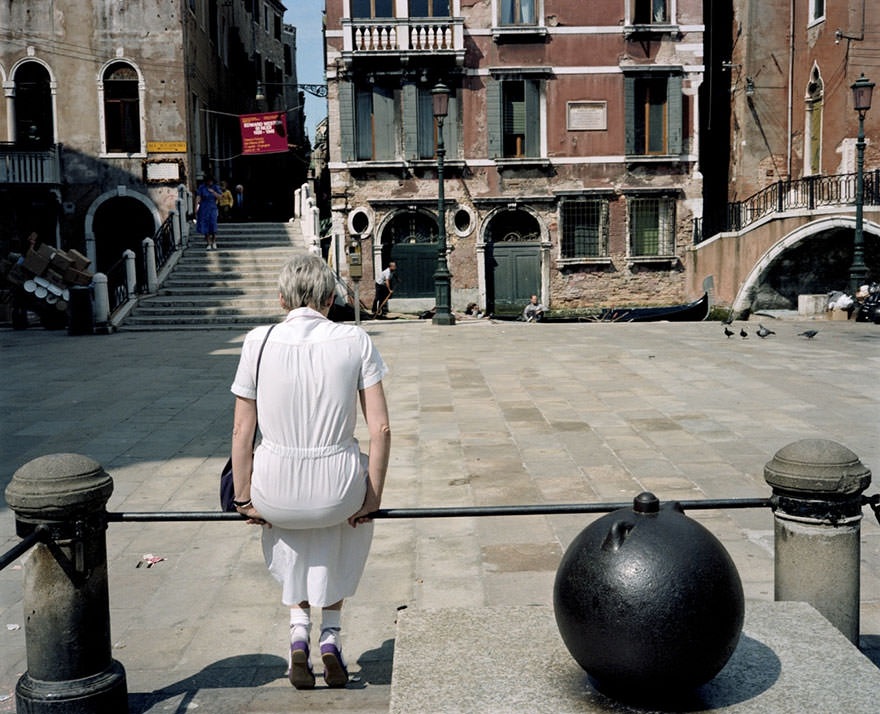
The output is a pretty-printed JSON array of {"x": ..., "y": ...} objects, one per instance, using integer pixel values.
[{"x": 263, "y": 133}]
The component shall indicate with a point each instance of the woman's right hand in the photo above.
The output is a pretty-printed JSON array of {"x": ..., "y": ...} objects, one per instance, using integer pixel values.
[
  {"x": 253, "y": 515},
  {"x": 370, "y": 505}
]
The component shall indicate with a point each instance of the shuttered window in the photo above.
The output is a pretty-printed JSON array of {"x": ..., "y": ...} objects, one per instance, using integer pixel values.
[
  {"x": 518, "y": 12},
  {"x": 653, "y": 109},
  {"x": 367, "y": 116},
  {"x": 420, "y": 127},
  {"x": 514, "y": 118}
]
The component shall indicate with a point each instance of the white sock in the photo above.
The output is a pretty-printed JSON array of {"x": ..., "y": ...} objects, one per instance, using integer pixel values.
[
  {"x": 331, "y": 623},
  {"x": 300, "y": 623}
]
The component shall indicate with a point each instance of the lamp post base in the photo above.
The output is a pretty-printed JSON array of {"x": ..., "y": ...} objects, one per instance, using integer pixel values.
[{"x": 445, "y": 318}]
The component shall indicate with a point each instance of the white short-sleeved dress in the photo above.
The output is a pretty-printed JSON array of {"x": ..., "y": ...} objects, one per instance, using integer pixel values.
[{"x": 309, "y": 473}]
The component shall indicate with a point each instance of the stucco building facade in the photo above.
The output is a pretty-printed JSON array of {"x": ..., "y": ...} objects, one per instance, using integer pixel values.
[
  {"x": 571, "y": 145},
  {"x": 111, "y": 108}
]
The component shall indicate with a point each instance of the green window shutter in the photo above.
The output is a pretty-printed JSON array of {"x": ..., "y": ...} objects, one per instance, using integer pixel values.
[
  {"x": 450, "y": 128},
  {"x": 383, "y": 123},
  {"x": 533, "y": 117},
  {"x": 411, "y": 121},
  {"x": 426, "y": 124},
  {"x": 363, "y": 123},
  {"x": 629, "y": 114},
  {"x": 493, "y": 117},
  {"x": 346, "y": 120},
  {"x": 674, "y": 118}
]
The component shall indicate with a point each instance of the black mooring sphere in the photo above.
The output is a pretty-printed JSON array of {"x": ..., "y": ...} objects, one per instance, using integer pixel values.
[{"x": 648, "y": 600}]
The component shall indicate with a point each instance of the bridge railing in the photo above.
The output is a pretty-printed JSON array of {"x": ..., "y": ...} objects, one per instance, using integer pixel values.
[{"x": 807, "y": 193}]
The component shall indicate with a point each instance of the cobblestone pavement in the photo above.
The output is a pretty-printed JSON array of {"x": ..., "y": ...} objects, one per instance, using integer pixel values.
[{"x": 482, "y": 413}]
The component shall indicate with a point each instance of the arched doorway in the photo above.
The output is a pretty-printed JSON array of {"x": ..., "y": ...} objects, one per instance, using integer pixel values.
[
  {"x": 513, "y": 261},
  {"x": 34, "y": 126},
  {"x": 410, "y": 239},
  {"x": 121, "y": 224}
]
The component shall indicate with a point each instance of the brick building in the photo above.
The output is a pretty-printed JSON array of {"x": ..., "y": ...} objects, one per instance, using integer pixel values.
[
  {"x": 572, "y": 142},
  {"x": 110, "y": 107}
]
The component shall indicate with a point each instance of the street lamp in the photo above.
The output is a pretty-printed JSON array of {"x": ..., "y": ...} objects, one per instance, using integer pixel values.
[
  {"x": 442, "y": 277},
  {"x": 861, "y": 89}
]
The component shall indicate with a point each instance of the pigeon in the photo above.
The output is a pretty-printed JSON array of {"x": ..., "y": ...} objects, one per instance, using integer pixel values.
[
  {"x": 763, "y": 331},
  {"x": 809, "y": 334},
  {"x": 729, "y": 333},
  {"x": 743, "y": 333}
]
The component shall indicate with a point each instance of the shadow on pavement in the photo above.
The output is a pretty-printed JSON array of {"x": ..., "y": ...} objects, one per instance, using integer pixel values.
[{"x": 251, "y": 670}]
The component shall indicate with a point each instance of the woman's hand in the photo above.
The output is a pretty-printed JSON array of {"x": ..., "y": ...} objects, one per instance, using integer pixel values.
[
  {"x": 253, "y": 515},
  {"x": 371, "y": 504}
]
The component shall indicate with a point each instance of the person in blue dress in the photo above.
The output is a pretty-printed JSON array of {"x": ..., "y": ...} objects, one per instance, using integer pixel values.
[{"x": 206, "y": 211}]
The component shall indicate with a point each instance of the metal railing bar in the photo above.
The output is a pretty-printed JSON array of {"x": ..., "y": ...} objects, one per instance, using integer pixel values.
[
  {"x": 451, "y": 512},
  {"x": 39, "y": 534}
]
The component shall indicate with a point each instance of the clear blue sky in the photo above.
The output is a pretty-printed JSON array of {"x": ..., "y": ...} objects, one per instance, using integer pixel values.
[{"x": 306, "y": 16}]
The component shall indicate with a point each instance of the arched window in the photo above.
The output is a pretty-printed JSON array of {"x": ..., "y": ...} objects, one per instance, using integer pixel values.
[
  {"x": 33, "y": 107},
  {"x": 122, "y": 125}
]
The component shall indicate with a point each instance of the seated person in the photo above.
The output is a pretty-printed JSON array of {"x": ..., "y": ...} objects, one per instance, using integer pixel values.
[{"x": 534, "y": 311}]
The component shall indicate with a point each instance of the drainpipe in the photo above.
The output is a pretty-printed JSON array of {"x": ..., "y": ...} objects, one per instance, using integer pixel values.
[{"x": 790, "y": 80}]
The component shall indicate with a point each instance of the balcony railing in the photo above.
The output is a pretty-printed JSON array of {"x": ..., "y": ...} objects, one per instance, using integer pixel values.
[
  {"x": 24, "y": 166},
  {"x": 399, "y": 35},
  {"x": 807, "y": 193}
]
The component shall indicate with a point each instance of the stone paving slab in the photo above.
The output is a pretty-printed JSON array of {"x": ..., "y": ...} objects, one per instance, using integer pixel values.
[
  {"x": 482, "y": 413},
  {"x": 789, "y": 660}
]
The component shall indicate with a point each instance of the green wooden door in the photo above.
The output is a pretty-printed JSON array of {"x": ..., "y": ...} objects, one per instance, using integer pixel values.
[
  {"x": 416, "y": 263},
  {"x": 514, "y": 273}
]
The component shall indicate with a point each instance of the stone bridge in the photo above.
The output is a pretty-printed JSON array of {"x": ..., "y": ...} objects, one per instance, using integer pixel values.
[{"x": 775, "y": 255}]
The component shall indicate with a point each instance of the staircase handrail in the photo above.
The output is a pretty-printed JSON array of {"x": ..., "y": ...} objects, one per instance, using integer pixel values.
[
  {"x": 163, "y": 241},
  {"x": 808, "y": 193},
  {"x": 117, "y": 285}
]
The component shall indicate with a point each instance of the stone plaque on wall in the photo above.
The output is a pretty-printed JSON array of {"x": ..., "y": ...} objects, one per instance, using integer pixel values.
[{"x": 587, "y": 116}]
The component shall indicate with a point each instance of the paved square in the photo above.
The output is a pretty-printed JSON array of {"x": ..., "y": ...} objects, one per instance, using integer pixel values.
[{"x": 482, "y": 413}]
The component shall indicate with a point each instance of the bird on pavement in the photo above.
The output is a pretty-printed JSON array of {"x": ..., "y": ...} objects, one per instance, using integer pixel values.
[
  {"x": 809, "y": 334},
  {"x": 743, "y": 333},
  {"x": 763, "y": 331},
  {"x": 729, "y": 333}
]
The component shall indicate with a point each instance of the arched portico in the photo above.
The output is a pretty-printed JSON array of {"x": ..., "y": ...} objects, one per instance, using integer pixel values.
[
  {"x": 753, "y": 280},
  {"x": 119, "y": 191}
]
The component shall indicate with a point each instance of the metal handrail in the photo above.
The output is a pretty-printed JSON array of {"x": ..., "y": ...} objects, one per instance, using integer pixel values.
[
  {"x": 117, "y": 285},
  {"x": 807, "y": 193},
  {"x": 163, "y": 242}
]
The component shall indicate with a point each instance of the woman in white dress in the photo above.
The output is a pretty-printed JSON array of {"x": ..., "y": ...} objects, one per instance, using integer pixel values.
[{"x": 308, "y": 483}]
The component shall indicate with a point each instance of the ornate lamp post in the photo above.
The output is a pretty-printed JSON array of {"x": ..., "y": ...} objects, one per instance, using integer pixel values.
[
  {"x": 861, "y": 89},
  {"x": 442, "y": 277}
]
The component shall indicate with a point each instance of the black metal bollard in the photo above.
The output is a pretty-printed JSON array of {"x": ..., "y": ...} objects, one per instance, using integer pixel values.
[
  {"x": 67, "y": 615},
  {"x": 817, "y": 486},
  {"x": 648, "y": 601}
]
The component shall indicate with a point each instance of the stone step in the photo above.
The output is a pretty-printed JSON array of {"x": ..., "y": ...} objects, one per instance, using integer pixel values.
[{"x": 234, "y": 287}]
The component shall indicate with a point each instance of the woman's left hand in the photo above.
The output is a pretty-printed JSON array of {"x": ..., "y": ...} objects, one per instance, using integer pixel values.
[
  {"x": 253, "y": 515},
  {"x": 370, "y": 505}
]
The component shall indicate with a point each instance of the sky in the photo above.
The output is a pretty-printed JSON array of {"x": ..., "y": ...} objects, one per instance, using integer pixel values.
[{"x": 306, "y": 16}]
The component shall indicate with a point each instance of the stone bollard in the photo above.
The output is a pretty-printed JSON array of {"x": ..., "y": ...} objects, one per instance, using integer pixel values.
[
  {"x": 130, "y": 271},
  {"x": 817, "y": 492},
  {"x": 102, "y": 298},
  {"x": 67, "y": 628},
  {"x": 150, "y": 259}
]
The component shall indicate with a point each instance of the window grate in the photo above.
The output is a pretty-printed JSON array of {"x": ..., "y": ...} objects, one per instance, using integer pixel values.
[
  {"x": 651, "y": 226},
  {"x": 584, "y": 228}
]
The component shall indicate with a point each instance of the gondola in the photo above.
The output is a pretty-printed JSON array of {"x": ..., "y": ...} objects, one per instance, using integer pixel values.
[{"x": 690, "y": 312}]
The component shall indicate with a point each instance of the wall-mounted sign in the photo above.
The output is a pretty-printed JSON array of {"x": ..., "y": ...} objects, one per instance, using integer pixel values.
[
  {"x": 263, "y": 133},
  {"x": 164, "y": 171},
  {"x": 587, "y": 116},
  {"x": 166, "y": 147}
]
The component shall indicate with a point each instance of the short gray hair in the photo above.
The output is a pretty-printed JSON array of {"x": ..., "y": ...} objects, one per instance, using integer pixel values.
[{"x": 306, "y": 281}]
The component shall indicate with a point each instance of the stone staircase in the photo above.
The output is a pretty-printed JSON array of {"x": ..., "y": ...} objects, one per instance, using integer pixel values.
[{"x": 234, "y": 287}]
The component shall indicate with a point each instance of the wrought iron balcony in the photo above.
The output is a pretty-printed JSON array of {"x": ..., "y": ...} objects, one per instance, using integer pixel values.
[
  {"x": 29, "y": 166},
  {"x": 386, "y": 37}
]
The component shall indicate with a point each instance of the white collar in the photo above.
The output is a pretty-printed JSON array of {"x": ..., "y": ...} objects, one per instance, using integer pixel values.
[{"x": 304, "y": 312}]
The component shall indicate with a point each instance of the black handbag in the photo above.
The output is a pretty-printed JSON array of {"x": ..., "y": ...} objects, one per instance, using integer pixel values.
[{"x": 227, "y": 485}]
